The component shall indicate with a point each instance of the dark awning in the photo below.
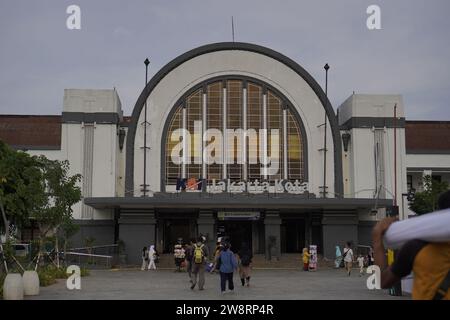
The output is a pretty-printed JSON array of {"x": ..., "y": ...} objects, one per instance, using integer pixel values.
[{"x": 194, "y": 200}]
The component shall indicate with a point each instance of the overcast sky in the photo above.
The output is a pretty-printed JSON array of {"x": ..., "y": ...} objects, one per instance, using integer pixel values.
[{"x": 40, "y": 57}]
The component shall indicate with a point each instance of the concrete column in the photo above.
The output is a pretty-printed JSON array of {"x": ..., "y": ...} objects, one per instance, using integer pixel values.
[
  {"x": 255, "y": 237},
  {"x": 205, "y": 226},
  {"x": 338, "y": 228},
  {"x": 272, "y": 222},
  {"x": 160, "y": 235},
  {"x": 137, "y": 230},
  {"x": 308, "y": 233}
]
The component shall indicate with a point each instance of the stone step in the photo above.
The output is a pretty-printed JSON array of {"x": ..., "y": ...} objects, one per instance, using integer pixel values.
[{"x": 259, "y": 261}]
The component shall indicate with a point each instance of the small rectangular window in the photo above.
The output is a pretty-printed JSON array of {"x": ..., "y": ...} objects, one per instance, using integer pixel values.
[{"x": 409, "y": 182}]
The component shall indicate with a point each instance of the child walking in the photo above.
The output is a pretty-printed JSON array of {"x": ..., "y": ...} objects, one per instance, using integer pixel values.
[
  {"x": 360, "y": 260},
  {"x": 306, "y": 256}
]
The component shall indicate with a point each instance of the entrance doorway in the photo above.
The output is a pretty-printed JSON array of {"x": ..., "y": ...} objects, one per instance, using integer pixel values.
[
  {"x": 293, "y": 235},
  {"x": 173, "y": 230},
  {"x": 237, "y": 232}
]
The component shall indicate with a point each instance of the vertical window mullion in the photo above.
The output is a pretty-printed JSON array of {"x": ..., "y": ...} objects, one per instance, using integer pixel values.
[
  {"x": 244, "y": 132},
  {"x": 203, "y": 132},
  {"x": 285, "y": 146},
  {"x": 183, "y": 164},
  {"x": 224, "y": 132},
  {"x": 264, "y": 142}
]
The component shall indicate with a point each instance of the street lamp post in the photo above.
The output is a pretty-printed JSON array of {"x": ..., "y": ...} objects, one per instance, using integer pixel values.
[
  {"x": 326, "y": 67},
  {"x": 144, "y": 186}
]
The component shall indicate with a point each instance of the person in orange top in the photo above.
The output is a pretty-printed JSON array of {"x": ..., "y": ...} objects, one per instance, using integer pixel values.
[
  {"x": 305, "y": 259},
  {"x": 430, "y": 262}
]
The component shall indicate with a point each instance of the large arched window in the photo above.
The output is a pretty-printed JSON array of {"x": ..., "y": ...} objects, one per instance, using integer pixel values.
[{"x": 235, "y": 129}]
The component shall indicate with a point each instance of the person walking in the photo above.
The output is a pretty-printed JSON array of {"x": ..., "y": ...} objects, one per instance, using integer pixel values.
[
  {"x": 360, "y": 260},
  {"x": 370, "y": 258},
  {"x": 144, "y": 258},
  {"x": 348, "y": 258},
  {"x": 200, "y": 254},
  {"x": 217, "y": 252},
  {"x": 189, "y": 253},
  {"x": 245, "y": 260},
  {"x": 305, "y": 258},
  {"x": 337, "y": 261},
  {"x": 152, "y": 254},
  {"x": 429, "y": 261},
  {"x": 228, "y": 263},
  {"x": 179, "y": 255}
]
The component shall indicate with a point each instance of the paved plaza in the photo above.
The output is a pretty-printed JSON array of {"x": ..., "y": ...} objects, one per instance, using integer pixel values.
[{"x": 328, "y": 284}]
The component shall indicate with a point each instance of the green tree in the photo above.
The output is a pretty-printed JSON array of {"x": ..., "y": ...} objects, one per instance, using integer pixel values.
[
  {"x": 61, "y": 192},
  {"x": 21, "y": 187},
  {"x": 68, "y": 229},
  {"x": 426, "y": 201}
]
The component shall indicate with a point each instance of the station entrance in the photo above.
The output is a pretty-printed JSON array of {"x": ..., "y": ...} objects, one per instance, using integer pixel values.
[{"x": 238, "y": 232}]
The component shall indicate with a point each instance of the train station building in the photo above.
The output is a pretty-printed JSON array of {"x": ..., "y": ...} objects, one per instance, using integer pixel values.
[{"x": 239, "y": 140}]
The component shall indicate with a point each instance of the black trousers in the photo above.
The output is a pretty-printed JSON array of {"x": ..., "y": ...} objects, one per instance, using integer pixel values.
[{"x": 224, "y": 277}]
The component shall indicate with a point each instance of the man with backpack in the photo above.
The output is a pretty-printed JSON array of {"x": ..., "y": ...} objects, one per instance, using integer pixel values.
[
  {"x": 189, "y": 250},
  {"x": 200, "y": 254}
]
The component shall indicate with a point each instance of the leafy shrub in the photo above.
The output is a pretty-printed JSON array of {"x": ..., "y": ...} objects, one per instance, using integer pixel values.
[
  {"x": 84, "y": 272},
  {"x": 46, "y": 277},
  {"x": 50, "y": 273}
]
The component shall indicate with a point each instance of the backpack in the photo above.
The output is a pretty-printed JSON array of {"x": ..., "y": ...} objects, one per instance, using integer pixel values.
[{"x": 198, "y": 254}]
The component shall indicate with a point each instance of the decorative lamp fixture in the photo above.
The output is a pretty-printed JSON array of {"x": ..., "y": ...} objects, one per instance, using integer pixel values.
[
  {"x": 345, "y": 140},
  {"x": 122, "y": 134}
]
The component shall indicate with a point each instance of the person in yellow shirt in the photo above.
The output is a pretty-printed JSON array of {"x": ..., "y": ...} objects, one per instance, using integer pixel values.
[
  {"x": 306, "y": 256},
  {"x": 429, "y": 262}
]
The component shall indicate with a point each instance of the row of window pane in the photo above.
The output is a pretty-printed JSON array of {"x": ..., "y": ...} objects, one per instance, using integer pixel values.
[{"x": 235, "y": 120}]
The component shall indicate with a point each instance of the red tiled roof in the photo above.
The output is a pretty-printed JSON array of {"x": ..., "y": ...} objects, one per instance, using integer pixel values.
[
  {"x": 44, "y": 132},
  {"x": 31, "y": 131},
  {"x": 427, "y": 136},
  {"x": 34, "y": 131}
]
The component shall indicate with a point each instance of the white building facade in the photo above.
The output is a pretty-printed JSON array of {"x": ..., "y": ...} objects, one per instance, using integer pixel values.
[{"x": 230, "y": 139}]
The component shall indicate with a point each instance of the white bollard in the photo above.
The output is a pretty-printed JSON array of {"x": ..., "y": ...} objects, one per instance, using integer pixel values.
[
  {"x": 30, "y": 283},
  {"x": 13, "y": 287}
]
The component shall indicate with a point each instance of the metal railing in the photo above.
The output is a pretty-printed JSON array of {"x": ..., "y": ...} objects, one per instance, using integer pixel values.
[{"x": 95, "y": 257}]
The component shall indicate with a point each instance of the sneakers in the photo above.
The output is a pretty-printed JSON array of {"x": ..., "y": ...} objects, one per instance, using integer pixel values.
[{"x": 192, "y": 286}]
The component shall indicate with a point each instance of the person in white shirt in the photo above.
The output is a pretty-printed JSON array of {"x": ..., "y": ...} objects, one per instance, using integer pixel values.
[
  {"x": 152, "y": 257},
  {"x": 360, "y": 260},
  {"x": 348, "y": 258}
]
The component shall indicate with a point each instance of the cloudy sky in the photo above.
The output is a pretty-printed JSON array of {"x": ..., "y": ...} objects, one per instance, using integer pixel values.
[{"x": 39, "y": 56}]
